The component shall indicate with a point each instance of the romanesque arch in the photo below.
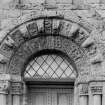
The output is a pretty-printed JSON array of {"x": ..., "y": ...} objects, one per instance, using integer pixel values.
[
  {"x": 66, "y": 33},
  {"x": 61, "y": 34}
]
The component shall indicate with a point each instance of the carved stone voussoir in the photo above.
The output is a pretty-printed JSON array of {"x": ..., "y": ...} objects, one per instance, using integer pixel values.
[{"x": 83, "y": 89}]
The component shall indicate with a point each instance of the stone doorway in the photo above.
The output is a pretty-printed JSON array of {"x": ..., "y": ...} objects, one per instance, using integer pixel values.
[
  {"x": 50, "y": 96},
  {"x": 52, "y": 39},
  {"x": 50, "y": 78}
]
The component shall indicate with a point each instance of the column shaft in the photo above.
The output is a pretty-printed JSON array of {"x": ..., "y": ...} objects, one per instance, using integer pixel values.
[
  {"x": 97, "y": 99},
  {"x": 16, "y": 99},
  {"x": 25, "y": 95},
  {"x": 2, "y": 99},
  {"x": 90, "y": 97},
  {"x": 9, "y": 99},
  {"x": 103, "y": 95},
  {"x": 16, "y": 91},
  {"x": 103, "y": 100},
  {"x": 83, "y": 100},
  {"x": 76, "y": 95}
]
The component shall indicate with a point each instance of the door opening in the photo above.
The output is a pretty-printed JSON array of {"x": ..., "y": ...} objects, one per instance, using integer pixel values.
[
  {"x": 50, "y": 94},
  {"x": 50, "y": 79}
]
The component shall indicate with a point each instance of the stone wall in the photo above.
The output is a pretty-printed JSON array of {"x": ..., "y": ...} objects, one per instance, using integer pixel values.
[{"x": 91, "y": 10}]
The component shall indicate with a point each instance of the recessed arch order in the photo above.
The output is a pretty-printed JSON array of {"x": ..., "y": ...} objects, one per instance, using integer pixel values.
[{"x": 52, "y": 33}]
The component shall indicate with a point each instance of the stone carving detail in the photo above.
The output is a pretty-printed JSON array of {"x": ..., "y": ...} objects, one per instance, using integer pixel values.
[
  {"x": 7, "y": 46},
  {"x": 6, "y": 49},
  {"x": 83, "y": 89},
  {"x": 23, "y": 46},
  {"x": 97, "y": 89},
  {"x": 32, "y": 29},
  {"x": 65, "y": 28},
  {"x": 4, "y": 86},
  {"x": 17, "y": 36},
  {"x": 17, "y": 65},
  {"x": 81, "y": 36},
  {"x": 16, "y": 88},
  {"x": 74, "y": 51},
  {"x": 42, "y": 27},
  {"x": 53, "y": 42},
  {"x": 48, "y": 26},
  {"x": 91, "y": 50},
  {"x": 37, "y": 44},
  {"x": 55, "y": 26}
]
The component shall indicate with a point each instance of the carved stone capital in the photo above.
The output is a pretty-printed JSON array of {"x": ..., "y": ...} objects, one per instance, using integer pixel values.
[
  {"x": 16, "y": 88},
  {"x": 4, "y": 86},
  {"x": 83, "y": 89},
  {"x": 96, "y": 89},
  {"x": 4, "y": 83}
]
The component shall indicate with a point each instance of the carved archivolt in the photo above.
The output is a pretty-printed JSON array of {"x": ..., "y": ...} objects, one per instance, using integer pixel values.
[
  {"x": 44, "y": 33},
  {"x": 26, "y": 50},
  {"x": 66, "y": 33},
  {"x": 4, "y": 86},
  {"x": 40, "y": 27}
]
